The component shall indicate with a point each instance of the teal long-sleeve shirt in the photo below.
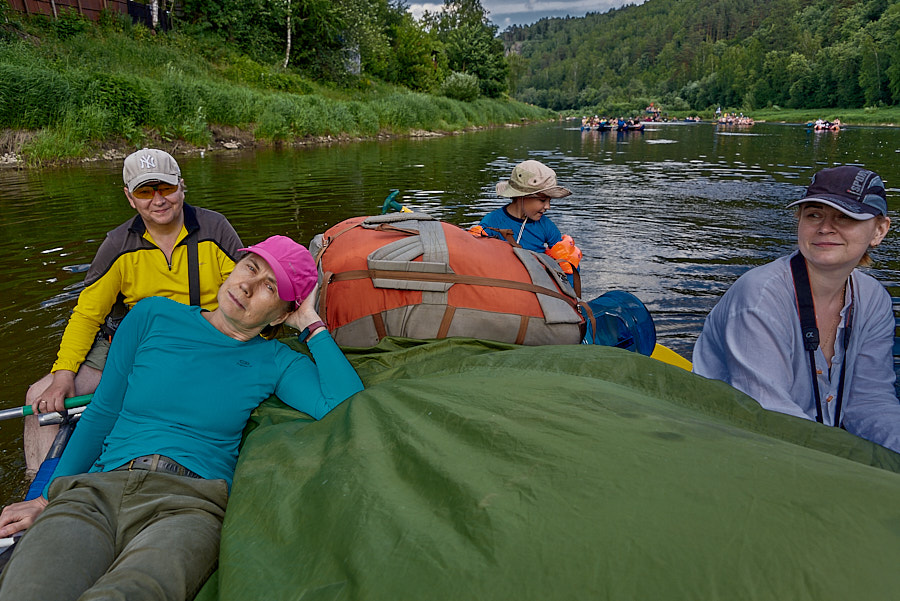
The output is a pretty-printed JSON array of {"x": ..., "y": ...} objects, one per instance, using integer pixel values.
[{"x": 175, "y": 385}]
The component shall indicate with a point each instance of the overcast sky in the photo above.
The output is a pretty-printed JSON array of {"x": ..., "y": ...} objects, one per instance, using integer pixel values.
[{"x": 504, "y": 13}]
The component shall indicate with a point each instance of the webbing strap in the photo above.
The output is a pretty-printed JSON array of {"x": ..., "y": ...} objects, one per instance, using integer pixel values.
[
  {"x": 375, "y": 220},
  {"x": 427, "y": 241},
  {"x": 523, "y": 327},
  {"x": 507, "y": 235},
  {"x": 576, "y": 281},
  {"x": 590, "y": 317},
  {"x": 806, "y": 310},
  {"x": 193, "y": 269},
  {"x": 412, "y": 228},
  {"x": 544, "y": 271},
  {"x": 378, "y": 322},
  {"x": 446, "y": 321},
  {"x": 472, "y": 280},
  {"x": 327, "y": 278},
  {"x": 326, "y": 242}
]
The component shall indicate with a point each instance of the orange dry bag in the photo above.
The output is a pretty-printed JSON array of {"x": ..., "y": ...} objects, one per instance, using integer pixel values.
[{"x": 413, "y": 276}]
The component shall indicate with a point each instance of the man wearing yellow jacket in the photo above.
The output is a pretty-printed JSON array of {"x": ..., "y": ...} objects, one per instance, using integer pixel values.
[{"x": 169, "y": 249}]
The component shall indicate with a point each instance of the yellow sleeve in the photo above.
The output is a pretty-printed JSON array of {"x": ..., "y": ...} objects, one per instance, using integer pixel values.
[{"x": 94, "y": 304}]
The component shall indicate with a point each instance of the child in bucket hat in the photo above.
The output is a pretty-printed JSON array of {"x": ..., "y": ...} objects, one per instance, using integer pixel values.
[
  {"x": 530, "y": 178},
  {"x": 530, "y": 187}
]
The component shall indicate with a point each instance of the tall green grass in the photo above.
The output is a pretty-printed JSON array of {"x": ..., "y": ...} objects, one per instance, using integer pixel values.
[
  {"x": 32, "y": 97},
  {"x": 85, "y": 85}
]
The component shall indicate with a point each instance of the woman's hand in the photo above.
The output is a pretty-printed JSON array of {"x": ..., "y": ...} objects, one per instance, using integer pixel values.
[
  {"x": 20, "y": 516},
  {"x": 305, "y": 315}
]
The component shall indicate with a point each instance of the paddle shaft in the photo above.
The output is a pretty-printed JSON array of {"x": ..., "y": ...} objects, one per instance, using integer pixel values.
[{"x": 75, "y": 401}]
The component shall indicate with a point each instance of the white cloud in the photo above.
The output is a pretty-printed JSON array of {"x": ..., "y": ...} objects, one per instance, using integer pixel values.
[{"x": 418, "y": 10}]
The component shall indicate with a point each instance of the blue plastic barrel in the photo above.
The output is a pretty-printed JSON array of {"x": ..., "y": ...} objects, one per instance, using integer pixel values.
[{"x": 622, "y": 321}]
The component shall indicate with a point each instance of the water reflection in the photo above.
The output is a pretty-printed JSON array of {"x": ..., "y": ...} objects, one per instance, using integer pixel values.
[{"x": 673, "y": 214}]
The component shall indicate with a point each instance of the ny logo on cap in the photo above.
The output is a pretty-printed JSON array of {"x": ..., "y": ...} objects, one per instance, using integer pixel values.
[{"x": 148, "y": 162}]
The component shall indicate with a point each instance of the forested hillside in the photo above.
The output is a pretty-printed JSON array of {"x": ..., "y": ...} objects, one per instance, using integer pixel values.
[
  {"x": 697, "y": 54},
  {"x": 268, "y": 71},
  {"x": 338, "y": 39}
]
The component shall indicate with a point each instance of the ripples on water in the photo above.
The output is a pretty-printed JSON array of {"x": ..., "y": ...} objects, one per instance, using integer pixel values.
[
  {"x": 674, "y": 214},
  {"x": 677, "y": 222}
]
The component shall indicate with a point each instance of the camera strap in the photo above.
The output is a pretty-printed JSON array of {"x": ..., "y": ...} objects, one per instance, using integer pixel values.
[{"x": 809, "y": 329}]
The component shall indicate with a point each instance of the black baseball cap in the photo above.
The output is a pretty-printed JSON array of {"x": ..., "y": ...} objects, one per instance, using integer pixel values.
[{"x": 854, "y": 191}]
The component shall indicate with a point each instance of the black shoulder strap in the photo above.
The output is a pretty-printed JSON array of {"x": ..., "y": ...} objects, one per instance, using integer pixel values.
[
  {"x": 805, "y": 307},
  {"x": 807, "y": 312},
  {"x": 193, "y": 269}
]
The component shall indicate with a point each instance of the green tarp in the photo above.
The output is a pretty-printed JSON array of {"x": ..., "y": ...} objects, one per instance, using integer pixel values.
[{"x": 474, "y": 470}]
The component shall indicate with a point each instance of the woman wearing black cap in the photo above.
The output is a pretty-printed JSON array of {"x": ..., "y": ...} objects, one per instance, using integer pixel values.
[{"x": 809, "y": 334}]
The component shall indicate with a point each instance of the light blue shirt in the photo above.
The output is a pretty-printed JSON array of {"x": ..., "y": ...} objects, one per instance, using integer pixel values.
[
  {"x": 752, "y": 340},
  {"x": 175, "y": 385}
]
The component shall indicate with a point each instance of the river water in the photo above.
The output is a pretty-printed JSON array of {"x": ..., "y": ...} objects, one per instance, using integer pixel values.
[{"x": 674, "y": 215}]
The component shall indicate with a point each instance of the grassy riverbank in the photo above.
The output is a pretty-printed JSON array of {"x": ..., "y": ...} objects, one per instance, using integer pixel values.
[{"x": 73, "y": 89}]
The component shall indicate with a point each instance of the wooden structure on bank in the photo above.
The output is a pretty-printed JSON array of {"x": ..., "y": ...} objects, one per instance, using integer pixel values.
[{"x": 90, "y": 9}]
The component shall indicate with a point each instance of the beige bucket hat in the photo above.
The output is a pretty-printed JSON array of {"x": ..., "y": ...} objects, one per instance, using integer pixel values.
[{"x": 532, "y": 177}]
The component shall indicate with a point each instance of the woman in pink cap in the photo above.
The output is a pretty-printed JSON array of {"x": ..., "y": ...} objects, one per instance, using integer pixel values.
[
  {"x": 809, "y": 334},
  {"x": 137, "y": 500}
]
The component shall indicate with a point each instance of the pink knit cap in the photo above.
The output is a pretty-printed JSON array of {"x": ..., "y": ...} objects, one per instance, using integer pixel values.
[{"x": 294, "y": 268}]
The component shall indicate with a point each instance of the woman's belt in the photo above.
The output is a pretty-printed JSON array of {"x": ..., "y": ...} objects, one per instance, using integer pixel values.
[{"x": 158, "y": 463}]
